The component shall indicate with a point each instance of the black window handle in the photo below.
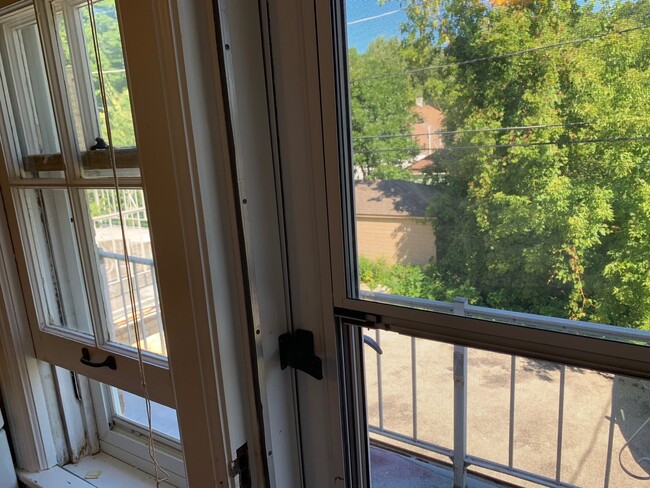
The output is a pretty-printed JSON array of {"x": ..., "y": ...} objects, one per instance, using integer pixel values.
[
  {"x": 372, "y": 343},
  {"x": 109, "y": 362}
]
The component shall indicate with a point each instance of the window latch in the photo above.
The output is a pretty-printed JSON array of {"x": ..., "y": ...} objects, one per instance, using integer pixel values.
[
  {"x": 297, "y": 351},
  {"x": 109, "y": 362}
]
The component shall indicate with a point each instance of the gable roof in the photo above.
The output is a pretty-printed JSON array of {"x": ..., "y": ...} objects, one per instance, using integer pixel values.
[{"x": 397, "y": 198}]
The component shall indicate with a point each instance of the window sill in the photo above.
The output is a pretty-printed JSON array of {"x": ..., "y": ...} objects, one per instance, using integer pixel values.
[{"x": 112, "y": 473}]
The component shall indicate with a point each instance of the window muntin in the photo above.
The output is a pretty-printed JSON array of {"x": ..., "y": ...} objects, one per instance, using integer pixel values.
[
  {"x": 469, "y": 181},
  {"x": 69, "y": 222}
]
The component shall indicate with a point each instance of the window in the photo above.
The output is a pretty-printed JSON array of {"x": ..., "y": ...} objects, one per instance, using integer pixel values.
[
  {"x": 391, "y": 89},
  {"x": 470, "y": 190},
  {"x": 60, "y": 185},
  {"x": 60, "y": 202}
]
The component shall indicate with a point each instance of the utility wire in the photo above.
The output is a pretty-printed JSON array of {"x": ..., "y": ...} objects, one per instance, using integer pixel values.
[
  {"x": 366, "y": 19},
  {"x": 497, "y": 146},
  {"x": 500, "y": 56},
  {"x": 471, "y": 131}
]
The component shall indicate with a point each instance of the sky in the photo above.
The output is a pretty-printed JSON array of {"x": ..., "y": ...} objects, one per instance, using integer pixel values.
[{"x": 366, "y": 19}]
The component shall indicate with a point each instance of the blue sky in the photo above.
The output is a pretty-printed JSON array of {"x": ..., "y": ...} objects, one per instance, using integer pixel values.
[{"x": 367, "y": 19}]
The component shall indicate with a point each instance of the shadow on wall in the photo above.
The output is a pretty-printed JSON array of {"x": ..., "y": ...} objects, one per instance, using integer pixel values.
[
  {"x": 392, "y": 221},
  {"x": 415, "y": 242}
]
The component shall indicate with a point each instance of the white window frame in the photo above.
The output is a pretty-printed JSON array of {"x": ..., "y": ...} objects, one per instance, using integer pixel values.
[
  {"x": 209, "y": 350},
  {"x": 55, "y": 344},
  {"x": 126, "y": 440},
  {"x": 307, "y": 75}
]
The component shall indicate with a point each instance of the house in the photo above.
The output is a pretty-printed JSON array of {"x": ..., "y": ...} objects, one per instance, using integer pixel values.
[
  {"x": 392, "y": 223},
  {"x": 427, "y": 130},
  {"x": 239, "y": 155}
]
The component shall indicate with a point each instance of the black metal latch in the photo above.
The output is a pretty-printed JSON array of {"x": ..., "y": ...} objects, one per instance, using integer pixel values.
[
  {"x": 297, "y": 351},
  {"x": 240, "y": 467}
]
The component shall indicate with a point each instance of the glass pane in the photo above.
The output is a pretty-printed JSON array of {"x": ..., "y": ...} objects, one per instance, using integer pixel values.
[
  {"x": 501, "y": 155},
  {"x": 50, "y": 243},
  {"x": 70, "y": 78},
  {"x": 524, "y": 421},
  {"x": 121, "y": 320},
  {"x": 84, "y": 88},
  {"x": 35, "y": 152},
  {"x": 133, "y": 408}
]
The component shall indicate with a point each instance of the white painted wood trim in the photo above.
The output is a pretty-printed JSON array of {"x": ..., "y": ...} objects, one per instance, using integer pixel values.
[
  {"x": 187, "y": 178},
  {"x": 298, "y": 102},
  {"x": 26, "y": 412},
  {"x": 252, "y": 114}
]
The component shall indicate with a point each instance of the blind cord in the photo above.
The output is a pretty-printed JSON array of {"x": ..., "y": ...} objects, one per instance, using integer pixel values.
[{"x": 159, "y": 473}]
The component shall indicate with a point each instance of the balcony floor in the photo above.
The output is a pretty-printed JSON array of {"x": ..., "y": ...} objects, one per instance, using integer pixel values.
[{"x": 392, "y": 470}]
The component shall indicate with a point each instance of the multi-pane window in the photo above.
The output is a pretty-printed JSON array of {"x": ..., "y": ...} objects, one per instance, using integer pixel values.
[
  {"x": 73, "y": 207},
  {"x": 64, "y": 192}
]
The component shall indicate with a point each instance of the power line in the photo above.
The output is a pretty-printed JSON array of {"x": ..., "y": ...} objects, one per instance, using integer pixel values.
[
  {"x": 366, "y": 19},
  {"x": 516, "y": 144},
  {"x": 471, "y": 131},
  {"x": 500, "y": 56}
]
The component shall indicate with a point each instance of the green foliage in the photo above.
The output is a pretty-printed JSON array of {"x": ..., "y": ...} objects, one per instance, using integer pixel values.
[
  {"x": 410, "y": 281},
  {"x": 381, "y": 106},
  {"x": 115, "y": 81},
  {"x": 558, "y": 229}
]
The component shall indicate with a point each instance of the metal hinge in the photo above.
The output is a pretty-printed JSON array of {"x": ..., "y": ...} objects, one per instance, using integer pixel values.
[
  {"x": 297, "y": 351},
  {"x": 362, "y": 319},
  {"x": 240, "y": 467}
]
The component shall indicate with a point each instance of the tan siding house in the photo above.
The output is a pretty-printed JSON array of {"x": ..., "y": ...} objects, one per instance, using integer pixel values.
[{"x": 392, "y": 223}]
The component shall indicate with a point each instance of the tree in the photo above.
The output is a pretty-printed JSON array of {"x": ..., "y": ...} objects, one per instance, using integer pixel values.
[
  {"x": 115, "y": 81},
  {"x": 381, "y": 106},
  {"x": 533, "y": 219}
]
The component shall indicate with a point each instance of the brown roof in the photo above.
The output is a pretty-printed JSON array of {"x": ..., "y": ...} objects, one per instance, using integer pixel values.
[
  {"x": 392, "y": 198},
  {"x": 421, "y": 164}
]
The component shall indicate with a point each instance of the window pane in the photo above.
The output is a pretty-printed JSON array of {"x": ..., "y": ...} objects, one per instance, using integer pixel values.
[
  {"x": 500, "y": 153},
  {"x": 84, "y": 88},
  {"x": 133, "y": 409},
  {"x": 524, "y": 421},
  {"x": 51, "y": 246},
  {"x": 35, "y": 151},
  {"x": 103, "y": 209}
]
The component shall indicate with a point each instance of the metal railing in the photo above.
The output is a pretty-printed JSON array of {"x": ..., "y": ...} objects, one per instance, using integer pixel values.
[
  {"x": 118, "y": 302},
  {"x": 458, "y": 455}
]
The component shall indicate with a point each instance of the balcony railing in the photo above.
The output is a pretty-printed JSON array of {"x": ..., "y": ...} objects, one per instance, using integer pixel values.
[
  {"x": 146, "y": 298},
  {"x": 457, "y": 452}
]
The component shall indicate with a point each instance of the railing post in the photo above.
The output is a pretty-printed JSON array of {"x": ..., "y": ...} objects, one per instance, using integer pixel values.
[
  {"x": 380, "y": 393},
  {"x": 414, "y": 387},
  {"x": 560, "y": 426},
  {"x": 460, "y": 404},
  {"x": 612, "y": 425},
  {"x": 511, "y": 423}
]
